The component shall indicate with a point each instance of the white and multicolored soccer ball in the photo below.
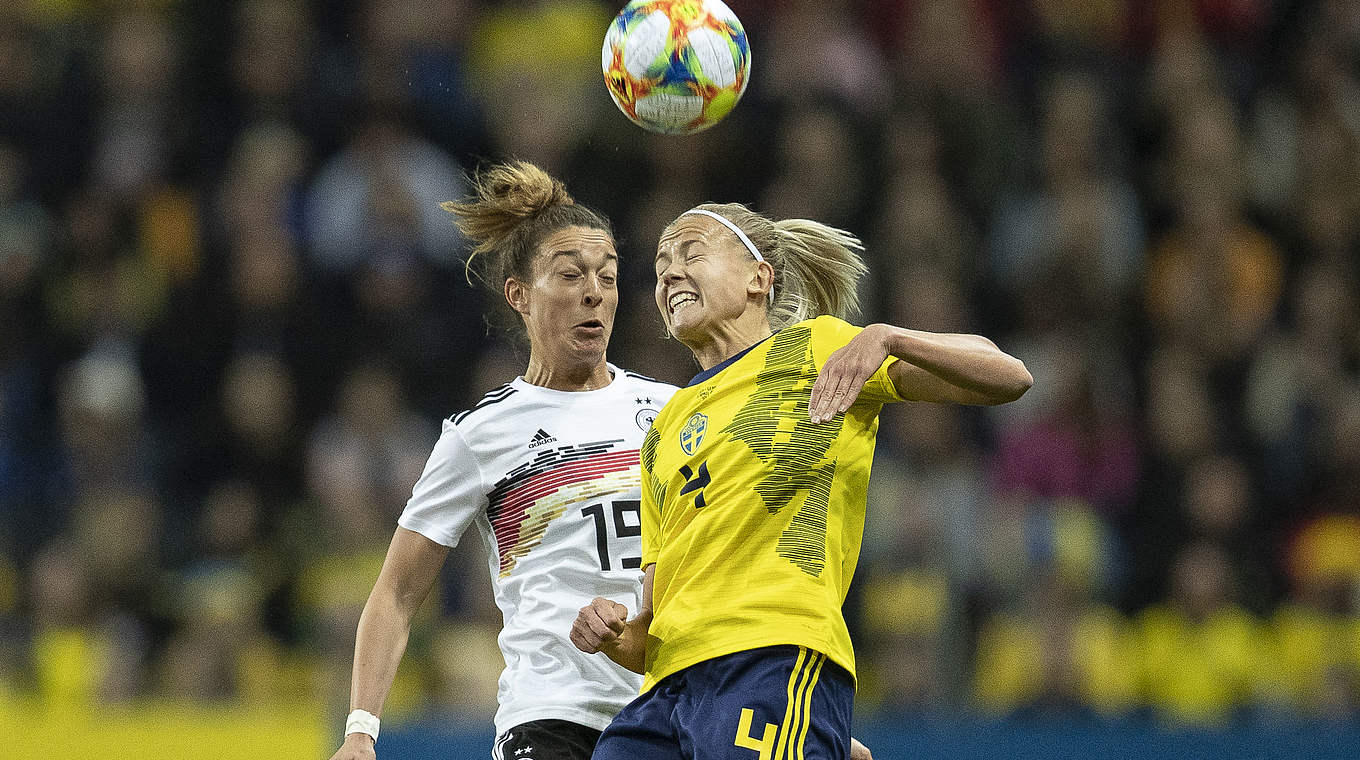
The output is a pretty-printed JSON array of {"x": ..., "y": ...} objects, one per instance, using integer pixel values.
[{"x": 676, "y": 66}]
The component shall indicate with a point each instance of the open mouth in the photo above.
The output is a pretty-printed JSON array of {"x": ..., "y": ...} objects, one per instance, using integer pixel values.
[{"x": 680, "y": 299}]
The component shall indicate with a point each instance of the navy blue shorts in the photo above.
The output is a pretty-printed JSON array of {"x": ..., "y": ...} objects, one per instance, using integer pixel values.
[{"x": 773, "y": 703}]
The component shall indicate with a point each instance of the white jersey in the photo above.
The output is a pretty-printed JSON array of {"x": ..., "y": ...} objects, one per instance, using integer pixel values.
[{"x": 551, "y": 481}]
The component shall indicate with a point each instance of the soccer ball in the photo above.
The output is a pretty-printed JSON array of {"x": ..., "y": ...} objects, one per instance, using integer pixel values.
[{"x": 676, "y": 66}]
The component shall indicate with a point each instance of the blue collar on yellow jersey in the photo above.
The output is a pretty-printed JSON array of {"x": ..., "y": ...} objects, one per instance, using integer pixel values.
[{"x": 722, "y": 365}]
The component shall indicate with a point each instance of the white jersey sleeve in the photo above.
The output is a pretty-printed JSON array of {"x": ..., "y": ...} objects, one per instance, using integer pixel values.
[{"x": 449, "y": 493}]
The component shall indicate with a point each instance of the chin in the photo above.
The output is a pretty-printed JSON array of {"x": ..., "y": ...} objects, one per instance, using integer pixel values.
[
  {"x": 592, "y": 350},
  {"x": 685, "y": 333}
]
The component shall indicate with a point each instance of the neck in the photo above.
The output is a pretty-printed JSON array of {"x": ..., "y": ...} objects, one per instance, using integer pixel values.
[
  {"x": 728, "y": 340},
  {"x": 567, "y": 376}
]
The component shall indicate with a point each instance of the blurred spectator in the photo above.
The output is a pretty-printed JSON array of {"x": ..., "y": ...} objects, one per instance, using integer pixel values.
[
  {"x": 946, "y": 57},
  {"x": 375, "y": 425},
  {"x": 413, "y": 55},
  {"x": 1213, "y": 280},
  {"x": 920, "y": 225},
  {"x": 822, "y": 167},
  {"x": 1199, "y": 651},
  {"x": 1180, "y": 414},
  {"x": 920, "y": 553},
  {"x": 1080, "y": 229},
  {"x": 70, "y": 660},
  {"x": 42, "y": 108},
  {"x": 1059, "y": 655},
  {"x": 547, "y": 55},
  {"x": 816, "y": 49},
  {"x": 220, "y": 649},
  {"x": 260, "y": 438},
  {"x": 1218, "y": 506},
  {"x": 135, "y": 120},
  {"x": 1318, "y": 664},
  {"x": 1082, "y": 445},
  {"x": 105, "y": 439},
  {"x": 377, "y": 201},
  {"x": 93, "y": 595},
  {"x": 101, "y": 286},
  {"x": 1299, "y": 377}
]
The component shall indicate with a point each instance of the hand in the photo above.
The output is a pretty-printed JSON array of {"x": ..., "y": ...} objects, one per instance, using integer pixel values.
[
  {"x": 357, "y": 746},
  {"x": 846, "y": 371},
  {"x": 598, "y": 625},
  {"x": 859, "y": 751}
]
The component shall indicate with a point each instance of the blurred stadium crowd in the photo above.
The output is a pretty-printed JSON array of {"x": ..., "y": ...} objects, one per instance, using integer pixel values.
[{"x": 232, "y": 315}]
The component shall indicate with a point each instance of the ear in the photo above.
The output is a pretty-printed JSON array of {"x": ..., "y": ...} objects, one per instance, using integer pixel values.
[
  {"x": 517, "y": 295},
  {"x": 761, "y": 282}
]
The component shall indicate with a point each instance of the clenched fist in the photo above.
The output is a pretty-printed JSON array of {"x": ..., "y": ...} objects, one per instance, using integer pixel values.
[
  {"x": 598, "y": 625},
  {"x": 356, "y": 747}
]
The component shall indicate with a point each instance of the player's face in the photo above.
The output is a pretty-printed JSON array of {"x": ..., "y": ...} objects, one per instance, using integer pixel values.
[
  {"x": 569, "y": 305},
  {"x": 703, "y": 277}
]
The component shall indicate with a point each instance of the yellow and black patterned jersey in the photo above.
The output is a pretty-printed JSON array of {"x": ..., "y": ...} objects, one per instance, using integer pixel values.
[{"x": 751, "y": 513}]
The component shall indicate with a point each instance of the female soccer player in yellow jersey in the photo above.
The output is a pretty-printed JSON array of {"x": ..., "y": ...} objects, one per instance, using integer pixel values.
[{"x": 753, "y": 489}]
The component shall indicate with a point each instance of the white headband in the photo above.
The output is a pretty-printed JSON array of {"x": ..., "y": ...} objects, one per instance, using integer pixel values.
[{"x": 744, "y": 240}]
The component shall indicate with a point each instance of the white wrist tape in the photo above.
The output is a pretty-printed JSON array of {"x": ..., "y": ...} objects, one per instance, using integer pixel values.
[{"x": 362, "y": 722}]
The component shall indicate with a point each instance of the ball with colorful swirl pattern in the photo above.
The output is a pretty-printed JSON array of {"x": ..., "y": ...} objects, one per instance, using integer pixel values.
[{"x": 676, "y": 66}]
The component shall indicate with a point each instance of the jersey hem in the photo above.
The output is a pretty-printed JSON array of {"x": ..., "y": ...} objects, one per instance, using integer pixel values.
[
  {"x": 651, "y": 679},
  {"x": 428, "y": 530},
  {"x": 593, "y": 721}
]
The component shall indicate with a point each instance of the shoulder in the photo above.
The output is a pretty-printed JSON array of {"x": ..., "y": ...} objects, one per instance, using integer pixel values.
[
  {"x": 828, "y": 323},
  {"x": 638, "y": 383},
  {"x": 831, "y": 332},
  {"x": 817, "y": 327},
  {"x": 821, "y": 336},
  {"x": 637, "y": 375},
  {"x": 471, "y": 416}
]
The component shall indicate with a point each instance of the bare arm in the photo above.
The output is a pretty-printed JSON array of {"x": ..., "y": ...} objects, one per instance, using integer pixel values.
[
  {"x": 412, "y": 564},
  {"x": 601, "y": 626},
  {"x": 964, "y": 369},
  {"x": 939, "y": 367}
]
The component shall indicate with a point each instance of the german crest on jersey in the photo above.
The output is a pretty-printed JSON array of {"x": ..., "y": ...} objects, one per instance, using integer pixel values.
[{"x": 693, "y": 433}]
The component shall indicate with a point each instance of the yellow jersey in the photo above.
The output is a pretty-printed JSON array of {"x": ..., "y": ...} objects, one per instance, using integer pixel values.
[{"x": 751, "y": 513}]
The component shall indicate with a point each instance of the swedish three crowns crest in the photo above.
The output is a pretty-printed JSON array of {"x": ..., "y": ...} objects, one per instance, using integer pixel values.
[{"x": 693, "y": 433}]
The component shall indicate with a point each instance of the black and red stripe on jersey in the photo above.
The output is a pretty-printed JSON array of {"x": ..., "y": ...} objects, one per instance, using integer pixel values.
[{"x": 524, "y": 502}]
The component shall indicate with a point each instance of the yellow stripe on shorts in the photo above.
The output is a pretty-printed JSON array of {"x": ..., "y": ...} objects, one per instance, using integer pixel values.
[
  {"x": 796, "y": 679},
  {"x": 807, "y": 705}
]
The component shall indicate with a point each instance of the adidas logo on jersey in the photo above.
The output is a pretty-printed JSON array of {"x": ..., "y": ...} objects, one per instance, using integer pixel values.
[{"x": 540, "y": 438}]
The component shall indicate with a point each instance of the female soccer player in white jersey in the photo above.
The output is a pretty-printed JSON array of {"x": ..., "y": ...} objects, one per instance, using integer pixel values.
[
  {"x": 753, "y": 491},
  {"x": 545, "y": 468}
]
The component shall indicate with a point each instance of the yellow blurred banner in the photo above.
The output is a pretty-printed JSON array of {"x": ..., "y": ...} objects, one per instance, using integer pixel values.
[{"x": 162, "y": 731}]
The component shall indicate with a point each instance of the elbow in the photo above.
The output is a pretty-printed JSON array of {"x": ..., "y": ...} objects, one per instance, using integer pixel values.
[
  {"x": 1021, "y": 382},
  {"x": 1017, "y": 381}
]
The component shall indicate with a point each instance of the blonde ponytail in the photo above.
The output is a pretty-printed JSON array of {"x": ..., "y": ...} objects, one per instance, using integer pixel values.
[
  {"x": 817, "y": 268},
  {"x": 821, "y": 272}
]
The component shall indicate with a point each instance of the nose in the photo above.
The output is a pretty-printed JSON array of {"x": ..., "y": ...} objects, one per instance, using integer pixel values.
[
  {"x": 671, "y": 274},
  {"x": 594, "y": 292}
]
